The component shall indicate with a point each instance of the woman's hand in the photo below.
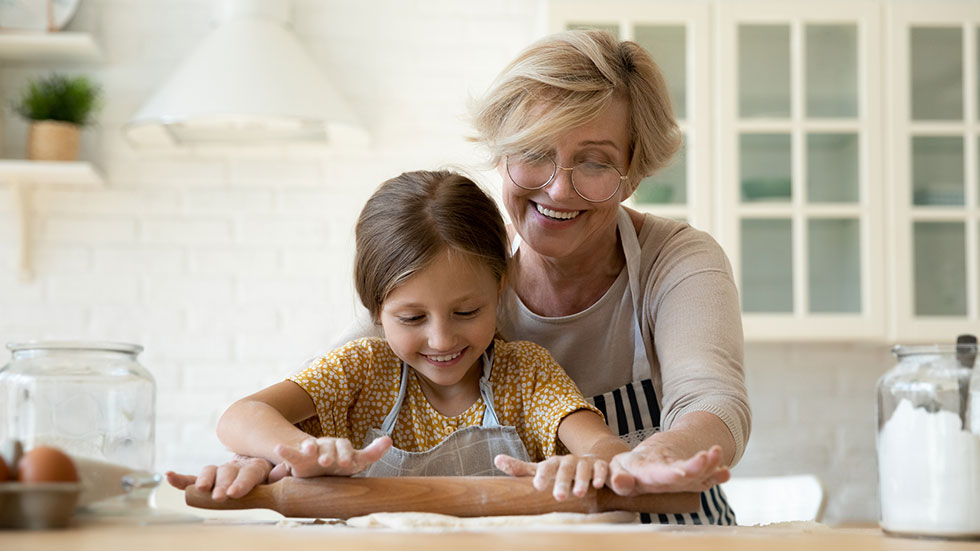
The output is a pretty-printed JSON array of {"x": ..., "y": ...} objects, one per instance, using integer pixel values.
[
  {"x": 653, "y": 469},
  {"x": 569, "y": 474},
  {"x": 330, "y": 456},
  {"x": 233, "y": 479}
]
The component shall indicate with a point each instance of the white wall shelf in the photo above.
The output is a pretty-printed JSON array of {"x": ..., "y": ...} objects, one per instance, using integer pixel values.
[
  {"x": 49, "y": 47},
  {"x": 22, "y": 176}
]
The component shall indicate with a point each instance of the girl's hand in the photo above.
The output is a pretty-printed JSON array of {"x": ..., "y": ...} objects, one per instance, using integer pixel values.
[
  {"x": 653, "y": 469},
  {"x": 233, "y": 479},
  {"x": 569, "y": 474},
  {"x": 329, "y": 456}
]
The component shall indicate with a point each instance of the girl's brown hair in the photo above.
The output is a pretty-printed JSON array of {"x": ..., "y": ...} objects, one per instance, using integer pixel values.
[
  {"x": 412, "y": 218},
  {"x": 567, "y": 79}
]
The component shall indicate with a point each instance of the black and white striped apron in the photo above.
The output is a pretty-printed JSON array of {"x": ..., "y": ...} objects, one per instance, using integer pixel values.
[{"x": 633, "y": 411}]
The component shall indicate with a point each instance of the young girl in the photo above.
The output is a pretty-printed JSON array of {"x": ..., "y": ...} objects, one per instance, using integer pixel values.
[{"x": 438, "y": 395}]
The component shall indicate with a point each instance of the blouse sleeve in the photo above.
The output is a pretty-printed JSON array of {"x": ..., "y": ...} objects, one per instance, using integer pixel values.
[
  {"x": 550, "y": 396},
  {"x": 333, "y": 381}
]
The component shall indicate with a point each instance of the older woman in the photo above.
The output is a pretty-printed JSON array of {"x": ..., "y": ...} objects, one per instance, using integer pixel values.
[{"x": 641, "y": 311}]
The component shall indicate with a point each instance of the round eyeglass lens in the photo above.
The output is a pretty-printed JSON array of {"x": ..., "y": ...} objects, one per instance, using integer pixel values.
[{"x": 530, "y": 172}]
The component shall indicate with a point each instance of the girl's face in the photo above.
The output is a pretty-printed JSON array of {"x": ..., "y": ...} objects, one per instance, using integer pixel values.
[
  {"x": 442, "y": 319},
  {"x": 554, "y": 220}
]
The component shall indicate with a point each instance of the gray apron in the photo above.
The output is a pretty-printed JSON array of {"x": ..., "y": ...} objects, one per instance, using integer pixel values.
[
  {"x": 633, "y": 410},
  {"x": 466, "y": 452}
]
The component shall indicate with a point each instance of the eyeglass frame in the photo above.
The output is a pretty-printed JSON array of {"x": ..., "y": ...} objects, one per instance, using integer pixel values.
[{"x": 571, "y": 177}]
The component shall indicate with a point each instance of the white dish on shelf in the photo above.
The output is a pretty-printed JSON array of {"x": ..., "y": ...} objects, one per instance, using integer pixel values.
[{"x": 32, "y": 15}]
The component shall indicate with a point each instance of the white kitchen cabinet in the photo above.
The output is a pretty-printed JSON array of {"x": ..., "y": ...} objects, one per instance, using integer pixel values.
[
  {"x": 21, "y": 176},
  {"x": 933, "y": 150},
  {"x": 799, "y": 191}
]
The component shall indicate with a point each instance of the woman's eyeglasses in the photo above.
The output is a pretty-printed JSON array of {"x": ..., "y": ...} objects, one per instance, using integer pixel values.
[{"x": 593, "y": 181}]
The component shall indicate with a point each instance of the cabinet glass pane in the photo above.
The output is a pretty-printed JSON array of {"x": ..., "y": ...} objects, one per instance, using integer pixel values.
[
  {"x": 767, "y": 265},
  {"x": 834, "y": 253},
  {"x": 765, "y": 167},
  {"x": 763, "y": 71},
  {"x": 939, "y": 250},
  {"x": 937, "y": 170},
  {"x": 668, "y": 185},
  {"x": 610, "y": 27},
  {"x": 936, "y": 72},
  {"x": 668, "y": 46},
  {"x": 831, "y": 71},
  {"x": 832, "y": 168}
]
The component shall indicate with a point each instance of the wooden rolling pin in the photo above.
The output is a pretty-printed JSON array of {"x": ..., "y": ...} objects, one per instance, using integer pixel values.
[{"x": 462, "y": 496}]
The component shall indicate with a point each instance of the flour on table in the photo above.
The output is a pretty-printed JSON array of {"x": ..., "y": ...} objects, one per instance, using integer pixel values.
[{"x": 433, "y": 521}]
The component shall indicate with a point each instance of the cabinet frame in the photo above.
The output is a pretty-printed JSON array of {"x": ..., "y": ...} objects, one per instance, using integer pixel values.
[
  {"x": 905, "y": 324},
  {"x": 800, "y": 324}
]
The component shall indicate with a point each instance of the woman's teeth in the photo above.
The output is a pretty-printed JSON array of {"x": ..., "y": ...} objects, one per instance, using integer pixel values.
[
  {"x": 557, "y": 215},
  {"x": 445, "y": 358}
]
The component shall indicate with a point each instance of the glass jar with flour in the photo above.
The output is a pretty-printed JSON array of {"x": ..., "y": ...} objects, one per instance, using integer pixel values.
[{"x": 929, "y": 441}]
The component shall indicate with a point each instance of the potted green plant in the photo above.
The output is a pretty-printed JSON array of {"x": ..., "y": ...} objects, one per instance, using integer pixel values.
[{"x": 57, "y": 106}]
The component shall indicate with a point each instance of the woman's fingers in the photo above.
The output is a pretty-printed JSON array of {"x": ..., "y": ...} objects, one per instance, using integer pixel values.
[
  {"x": 226, "y": 474},
  {"x": 251, "y": 473},
  {"x": 636, "y": 472},
  {"x": 279, "y": 472},
  {"x": 205, "y": 480}
]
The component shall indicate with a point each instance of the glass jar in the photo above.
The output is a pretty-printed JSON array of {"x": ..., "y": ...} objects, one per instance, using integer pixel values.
[
  {"x": 928, "y": 449},
  {"x": 90, "y": 399}
]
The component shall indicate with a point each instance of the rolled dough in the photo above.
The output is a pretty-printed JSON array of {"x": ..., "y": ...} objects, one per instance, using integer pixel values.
[{"x": 414, "y": 521}]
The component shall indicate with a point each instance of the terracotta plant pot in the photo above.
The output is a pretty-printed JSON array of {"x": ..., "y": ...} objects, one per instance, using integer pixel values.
[{"x": 53, "y": 141}]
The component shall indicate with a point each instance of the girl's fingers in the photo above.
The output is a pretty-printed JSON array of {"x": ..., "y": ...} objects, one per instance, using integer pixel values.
[
  {"x": 564, "y": 477},
  {"x": 600, "y": 472},
  {"x": 372, "y": 452},
  {"x": 516, "y": 467},
  {"x": 326, "y": 452},
  {"x": 345, "y": 453},
  {"x": 583, "y": 477}
]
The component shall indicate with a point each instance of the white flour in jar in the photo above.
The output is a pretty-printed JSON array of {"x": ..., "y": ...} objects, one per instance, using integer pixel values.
[{"x": 928, "y": 473}]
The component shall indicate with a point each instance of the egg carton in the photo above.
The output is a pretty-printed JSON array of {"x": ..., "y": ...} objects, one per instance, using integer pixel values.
[{"x": 38, "y": 505}]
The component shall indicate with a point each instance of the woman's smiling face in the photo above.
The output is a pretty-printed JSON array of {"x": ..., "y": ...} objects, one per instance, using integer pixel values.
[{"x": 554, "y": 220}]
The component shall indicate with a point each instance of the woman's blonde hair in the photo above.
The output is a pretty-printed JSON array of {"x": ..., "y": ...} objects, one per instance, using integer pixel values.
[
  {"x": 566, "y": 80},
  {"x": 411, "y": 219}
]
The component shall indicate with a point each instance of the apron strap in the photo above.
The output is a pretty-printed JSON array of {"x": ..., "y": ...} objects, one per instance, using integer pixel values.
[
  {"x": 631, "y": 250},
  {"x": 389, "y": 423}
]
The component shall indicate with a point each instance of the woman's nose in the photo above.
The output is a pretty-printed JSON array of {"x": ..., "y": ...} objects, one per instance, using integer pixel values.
[{"x": 561, "y": 188}]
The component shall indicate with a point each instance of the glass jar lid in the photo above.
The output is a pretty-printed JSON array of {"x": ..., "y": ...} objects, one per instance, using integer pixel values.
[{"x": 76, "y": 345}]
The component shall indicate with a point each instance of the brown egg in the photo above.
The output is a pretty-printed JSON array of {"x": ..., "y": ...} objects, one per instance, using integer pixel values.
[
  {"x": 46, "y": 464},
  {"x": 4, "y": 471}
]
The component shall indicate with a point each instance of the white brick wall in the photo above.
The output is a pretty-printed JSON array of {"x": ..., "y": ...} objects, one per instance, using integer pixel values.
[{"x": 232, "y": 268}]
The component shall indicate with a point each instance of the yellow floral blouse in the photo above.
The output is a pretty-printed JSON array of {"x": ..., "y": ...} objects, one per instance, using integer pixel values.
[{"x": 355, "y": 386}]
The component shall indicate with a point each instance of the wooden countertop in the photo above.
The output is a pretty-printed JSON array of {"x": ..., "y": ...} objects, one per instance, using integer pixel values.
[{"x": 106, "y": 535}]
